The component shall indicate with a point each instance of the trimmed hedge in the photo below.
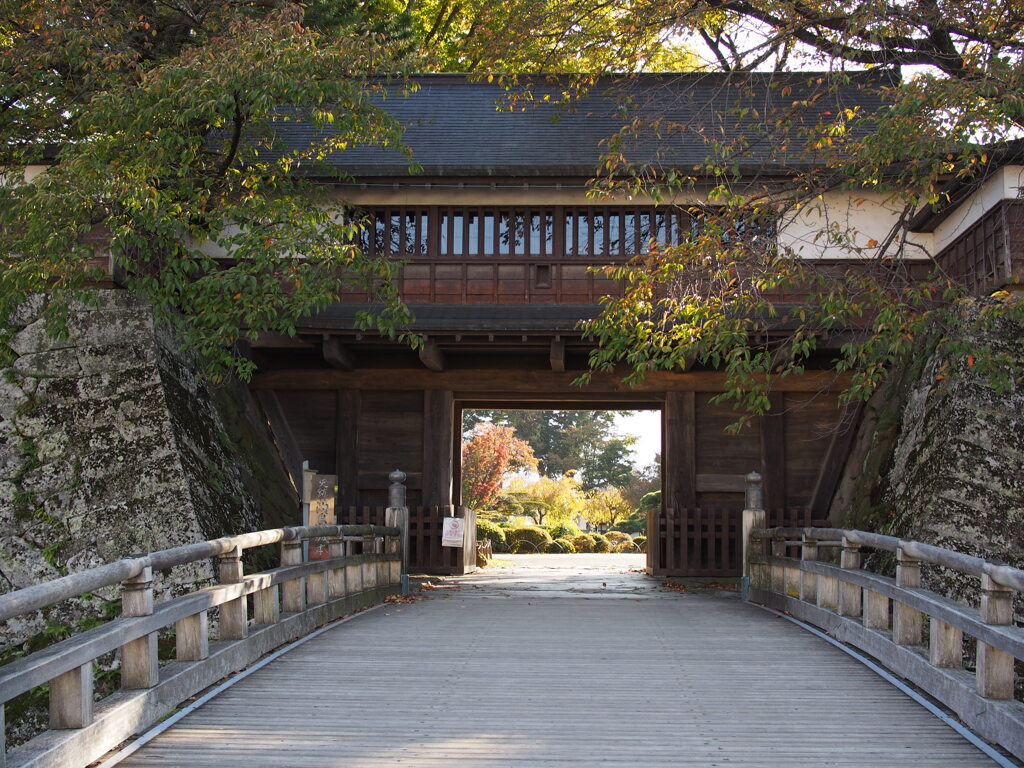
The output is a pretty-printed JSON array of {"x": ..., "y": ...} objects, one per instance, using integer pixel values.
[
  {"x": 601, "y": 543},
  {"x": 584, "y": 542},
  {"x": 617, "y": 537},
  {"x": 563, "y": 546},
  {"x": 487, "y": 529},
  {"x": 528, "y": 539},
  {"x": 641, "y": 543}
]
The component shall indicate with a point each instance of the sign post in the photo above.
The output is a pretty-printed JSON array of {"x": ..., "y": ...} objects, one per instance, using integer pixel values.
[
  {"x": 318, "y": 493},
  {"x": 453, "y": 532}
]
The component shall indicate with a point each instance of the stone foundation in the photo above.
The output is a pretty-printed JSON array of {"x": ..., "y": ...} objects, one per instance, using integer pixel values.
[{"x": 109, "y": 446}]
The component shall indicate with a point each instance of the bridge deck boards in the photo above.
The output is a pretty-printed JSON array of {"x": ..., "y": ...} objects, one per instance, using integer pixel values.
[{"x": 531, "y": 675}]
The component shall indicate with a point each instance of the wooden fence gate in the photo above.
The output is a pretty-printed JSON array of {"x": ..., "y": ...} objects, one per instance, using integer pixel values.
[
  {"x": 705, "y": 541},
  {"x": 426, "y": 555}
]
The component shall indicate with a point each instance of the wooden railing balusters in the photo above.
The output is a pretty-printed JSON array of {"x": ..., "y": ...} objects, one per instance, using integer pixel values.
[
  {"x": 862, "y": 599},
  {"x": 876, "y": 610},
  {"x": 336, "y": 588},
  {"x": 293, "y": 591},
  {"x": 266, "y": 605},
  {"x": 192, "y": 638},
  {"x": 336, "y": 576},
  {"x": 71, "y": 698},
  {"x": 139, "y": 664},
  {"x": 995, "y": 667},
  {"x": 234, "y": 624},
  {"x": 808, "y": 580},
  {"x": 906, "y": 622},
  {"x": 849, "y": 594}
]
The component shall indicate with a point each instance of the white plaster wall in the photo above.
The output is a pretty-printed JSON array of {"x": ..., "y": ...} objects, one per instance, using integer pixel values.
[{"x": 842, "y": 225}]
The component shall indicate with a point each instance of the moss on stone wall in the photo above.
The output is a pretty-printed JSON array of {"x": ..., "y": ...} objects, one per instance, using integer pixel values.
[
  {"x": 940, "y": 457},
  {"x": 110, "y": 446}
]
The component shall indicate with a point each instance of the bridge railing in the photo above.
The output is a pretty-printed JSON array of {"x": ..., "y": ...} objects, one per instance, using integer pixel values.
[
  {"x": 888, "y": 618},
  {"x": 256, "y": 613}
]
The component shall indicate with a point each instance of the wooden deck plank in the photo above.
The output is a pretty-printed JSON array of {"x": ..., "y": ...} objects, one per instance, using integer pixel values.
[{"x": 528, "y": 673}]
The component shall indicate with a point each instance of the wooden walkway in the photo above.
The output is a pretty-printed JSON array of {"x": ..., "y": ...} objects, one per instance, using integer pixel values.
[{"x": 577, "y": 667}]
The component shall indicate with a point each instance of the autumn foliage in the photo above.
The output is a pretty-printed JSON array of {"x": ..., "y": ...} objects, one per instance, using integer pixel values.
[{"x": 492, "y": 452}]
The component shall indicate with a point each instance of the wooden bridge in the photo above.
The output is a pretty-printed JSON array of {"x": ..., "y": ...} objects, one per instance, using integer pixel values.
[{"x": 530, "y": 669}]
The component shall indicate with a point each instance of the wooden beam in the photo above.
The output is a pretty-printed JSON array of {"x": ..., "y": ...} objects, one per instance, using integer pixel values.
[
  {"x": 285, "y": 441},
  {"x": 557, "y": 355},
  {"x": 505, "y": 380},
  {"x": 268, "y": 339},
  {"x": 835, "y": 460},
  {"x": 431, "y": 355},
  {"x": 337, "y": 354}
]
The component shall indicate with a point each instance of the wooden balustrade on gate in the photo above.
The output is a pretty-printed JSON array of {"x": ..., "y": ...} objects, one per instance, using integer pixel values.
[
  {"x": 426, "y": 555},
  {"x": 706, "y": 541}
]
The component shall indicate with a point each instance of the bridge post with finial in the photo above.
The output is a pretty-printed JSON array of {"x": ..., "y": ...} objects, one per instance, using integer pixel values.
[
  {"x": 754, "y": 519},
  {"x": 397, "y": 515}
]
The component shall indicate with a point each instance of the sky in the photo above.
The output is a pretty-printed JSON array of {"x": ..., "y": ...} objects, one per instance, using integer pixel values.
[{"x": 645, "y": 425}]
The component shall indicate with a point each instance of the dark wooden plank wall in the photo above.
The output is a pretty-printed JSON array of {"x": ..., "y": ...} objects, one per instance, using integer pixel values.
[
  {"x": 990, "y": 254},
  {"x": 796, "y": 447}
]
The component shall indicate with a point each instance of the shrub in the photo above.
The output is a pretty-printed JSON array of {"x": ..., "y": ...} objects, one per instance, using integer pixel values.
[
  {"x": 617, "y": 537},
  {"x": 584, "y": 542},
  {"x": 625, "y": 546},
  {"x": 641, "y": 543},
  {"x": 487, "y": 529},
  {"x": 564, "y": 531},
  {"x": 528, "y": 539},
  {"x": 563, "y": 546},
  {"x": 601, "y": 543}
]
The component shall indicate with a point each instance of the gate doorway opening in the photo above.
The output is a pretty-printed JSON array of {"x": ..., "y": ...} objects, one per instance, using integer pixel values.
[{"x": 568, "y": 482}]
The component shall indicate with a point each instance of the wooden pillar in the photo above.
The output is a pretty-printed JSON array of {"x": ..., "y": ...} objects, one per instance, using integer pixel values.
[
  {"x": 191, "y": 638},
  {"x": 266, "y": 605},
  {"x": 828, "y": 593},
  {"x": 293, "y": 591},
  {"x": 906, "y": 622},
  {"x": 876, "y": 610},
  {"x": 233, "y": 618},
  {"x": 773, "y": 453},
  {"x": 71, "y": 698},
  {"x": 347, "y": 447},
  {"x": 680, "y": 458},
  {"x": 336, "y": 576},
  {"x": 139, "y": 666},
  {"x": 995, "y": 667},
  {"x": 945, "y": 645},
  {"x": 438, "y": 447},
  {"x": 808, "y": 580},
  {"x": 849, "y": 594}
]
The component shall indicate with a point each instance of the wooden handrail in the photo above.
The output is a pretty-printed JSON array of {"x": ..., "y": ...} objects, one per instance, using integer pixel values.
[
  {"x": 885, "y": 616},
  {"x": 1001, "y": 573},
  {"x": 38, "y": 596},
  {"x": 287, "y": 602}
]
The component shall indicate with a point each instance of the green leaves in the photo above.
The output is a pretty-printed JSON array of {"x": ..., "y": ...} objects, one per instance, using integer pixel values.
[{"x": 170, "y": 164}]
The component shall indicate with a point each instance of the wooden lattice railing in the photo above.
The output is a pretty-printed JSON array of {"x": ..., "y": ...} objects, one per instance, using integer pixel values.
[
  {"x": 914, "y": 632},
  {"x": 256, "y": 613}
]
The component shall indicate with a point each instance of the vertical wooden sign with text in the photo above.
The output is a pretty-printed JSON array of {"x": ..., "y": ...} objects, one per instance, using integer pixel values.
[{"x": 318, "y": 492}]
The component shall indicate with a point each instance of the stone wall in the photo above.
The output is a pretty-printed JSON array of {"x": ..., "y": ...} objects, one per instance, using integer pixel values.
[
  {"x": 110, "y": 445},
  {"x": 941, "y": 455}
]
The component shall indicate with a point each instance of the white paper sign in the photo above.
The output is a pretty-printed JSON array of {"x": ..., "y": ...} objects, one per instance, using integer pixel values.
[{"x": 453, "y": 532}]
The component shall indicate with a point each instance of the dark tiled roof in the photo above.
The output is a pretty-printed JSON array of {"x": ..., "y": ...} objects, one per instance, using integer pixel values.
[{"x": 455, "y": 128}]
